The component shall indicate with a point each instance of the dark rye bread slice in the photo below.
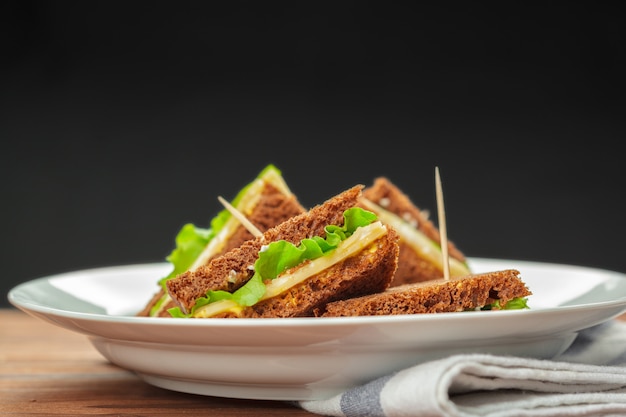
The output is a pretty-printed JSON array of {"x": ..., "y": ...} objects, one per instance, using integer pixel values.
[
  {"x": 272, "y": 208},
  {"x": 370, "y": 271},
  {"x": 235, "y": 267},
  {"x": 436, "y": 296},
  {"x": 411, "y": 267}
]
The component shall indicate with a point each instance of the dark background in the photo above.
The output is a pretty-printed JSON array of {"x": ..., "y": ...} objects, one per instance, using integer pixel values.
[{"x": 121, "y": 121}]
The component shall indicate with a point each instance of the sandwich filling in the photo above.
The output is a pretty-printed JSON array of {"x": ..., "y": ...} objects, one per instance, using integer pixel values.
[
  {"x": 282, "y": 265},
  {"x": 425, "y": 247},
  {"x": 196, "y": 246}
]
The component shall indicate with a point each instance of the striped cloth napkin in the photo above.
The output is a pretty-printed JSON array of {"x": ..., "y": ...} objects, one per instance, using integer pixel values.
[{"x": 588, "y": 379}]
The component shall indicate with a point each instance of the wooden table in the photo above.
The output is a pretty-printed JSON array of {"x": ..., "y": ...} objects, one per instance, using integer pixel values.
[{"x": 48, "y": 370}]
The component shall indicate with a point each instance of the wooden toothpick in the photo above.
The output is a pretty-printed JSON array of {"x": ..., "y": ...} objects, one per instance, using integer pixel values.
[
  {"x": 239, "y": 216},
  {"x": 442, "y": 225}
]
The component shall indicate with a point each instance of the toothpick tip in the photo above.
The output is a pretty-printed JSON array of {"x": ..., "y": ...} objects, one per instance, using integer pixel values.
[{"x": 442, "y": 225}]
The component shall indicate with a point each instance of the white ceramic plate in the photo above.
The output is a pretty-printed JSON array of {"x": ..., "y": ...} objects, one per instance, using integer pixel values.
[{"x": 311, "y": 358}]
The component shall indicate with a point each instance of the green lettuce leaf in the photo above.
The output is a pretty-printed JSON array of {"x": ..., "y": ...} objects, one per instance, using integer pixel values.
[
  {"x": 190, "y": 242},
  {"x": 518, "y": 303}
]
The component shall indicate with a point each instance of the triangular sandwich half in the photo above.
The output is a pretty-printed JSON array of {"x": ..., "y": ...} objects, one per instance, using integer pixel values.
[
  {"x": 265, "y": 202},
  {"x": 335, "y": 250}
]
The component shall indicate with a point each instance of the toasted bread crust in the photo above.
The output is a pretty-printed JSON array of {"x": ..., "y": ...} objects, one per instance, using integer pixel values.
[
  {"x": 411, "y": 268},
  {"x": 370, "y": 271},
  {"x": 234, "y": 268},
  {"x": 272, "y": 208},
  {"x": 436, "y": 296}
]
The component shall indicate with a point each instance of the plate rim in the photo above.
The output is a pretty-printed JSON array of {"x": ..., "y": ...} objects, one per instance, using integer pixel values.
[{"x": 31, "y": 307}]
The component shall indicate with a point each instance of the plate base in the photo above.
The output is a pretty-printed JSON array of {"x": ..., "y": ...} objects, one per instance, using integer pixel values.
[
  {"x": 544, "y": 348},
  {"x": 240, "y": 391}
]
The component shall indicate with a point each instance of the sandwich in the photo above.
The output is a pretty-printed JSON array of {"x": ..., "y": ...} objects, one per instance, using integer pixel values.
[
  {"x": 420, "y": 257},
  {"x": 498, "y": 290},
  {"x": 335, "y": 250},
  {"x": 265, "y": 202}
]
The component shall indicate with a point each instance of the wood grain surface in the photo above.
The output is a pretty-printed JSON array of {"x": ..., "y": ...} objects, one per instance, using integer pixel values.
[{"x": 46, "y": 370}]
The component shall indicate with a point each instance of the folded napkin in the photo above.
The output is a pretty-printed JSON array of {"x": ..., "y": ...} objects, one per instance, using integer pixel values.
[{"x": 589, "y": 379}]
